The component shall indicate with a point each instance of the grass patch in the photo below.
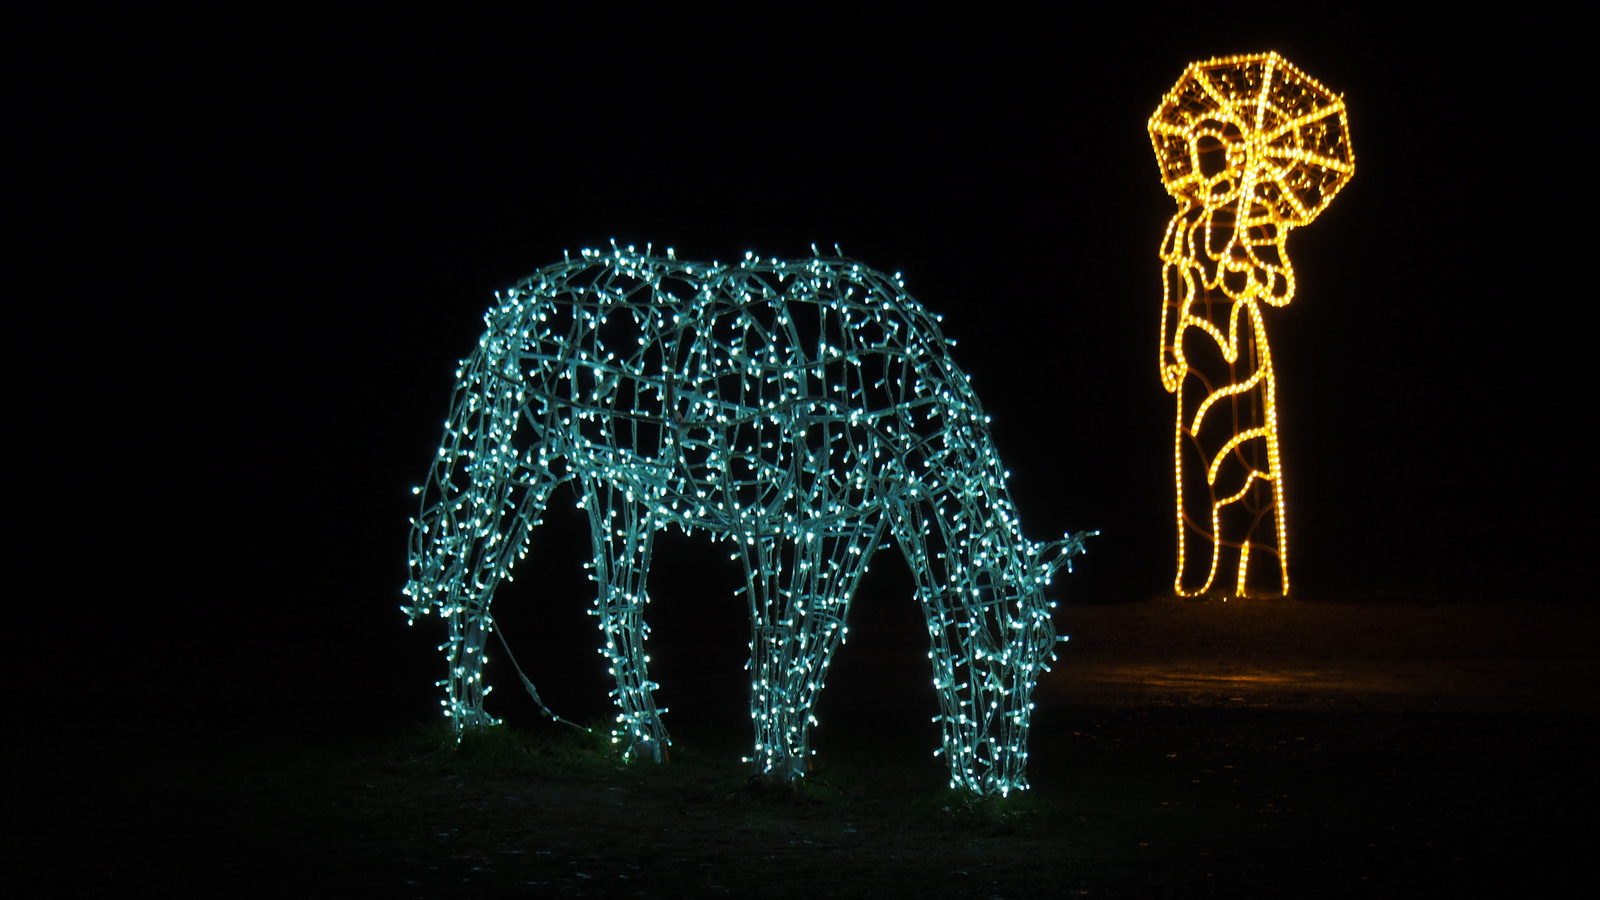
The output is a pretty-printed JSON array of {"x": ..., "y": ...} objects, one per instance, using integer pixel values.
[
  {"x": 502, "y": 751},
  {"x": 865, "y": 795}
]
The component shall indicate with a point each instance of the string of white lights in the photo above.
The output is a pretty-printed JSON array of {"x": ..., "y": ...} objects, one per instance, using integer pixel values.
[
  {"x": 1250, "y": 147},
  {"x": 804, "y": 411}
]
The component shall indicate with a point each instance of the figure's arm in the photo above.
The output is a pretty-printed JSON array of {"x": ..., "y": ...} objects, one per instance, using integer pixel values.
[
  {"x": 1177, "y": 290},
  {"x": 1270, "y": 267}
]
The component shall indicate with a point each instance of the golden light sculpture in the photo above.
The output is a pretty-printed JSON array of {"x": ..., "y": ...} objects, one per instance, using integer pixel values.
[{"x": 1250, "y": 147}]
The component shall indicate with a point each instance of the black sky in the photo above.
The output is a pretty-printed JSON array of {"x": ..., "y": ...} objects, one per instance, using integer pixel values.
[{"x": 248, "y": 249}]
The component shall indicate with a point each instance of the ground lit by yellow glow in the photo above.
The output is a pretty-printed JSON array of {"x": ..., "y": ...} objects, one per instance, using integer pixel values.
[{"x": 1250, "y": 147}]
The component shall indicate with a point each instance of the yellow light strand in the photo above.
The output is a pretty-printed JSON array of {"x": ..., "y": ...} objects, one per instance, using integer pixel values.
[{"x": 1251, "y": 148}]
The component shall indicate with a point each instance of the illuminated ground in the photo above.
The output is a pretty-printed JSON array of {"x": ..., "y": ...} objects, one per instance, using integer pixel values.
[
  {"x": 1294, "y": 748},
  {"x": 1377, "y": 655}
]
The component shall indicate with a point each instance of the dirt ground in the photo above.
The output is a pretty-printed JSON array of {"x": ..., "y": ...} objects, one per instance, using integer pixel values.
[{"x": 1286, "y": 748}]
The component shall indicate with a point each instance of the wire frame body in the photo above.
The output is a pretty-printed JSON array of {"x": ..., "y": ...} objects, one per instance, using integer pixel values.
[
  {"x": 805, "y": 412},
  {"x": 1251, "y": 148}
]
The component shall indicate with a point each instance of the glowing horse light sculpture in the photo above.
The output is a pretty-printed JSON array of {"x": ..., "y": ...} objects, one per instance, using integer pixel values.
[
  {"x": 803, "y": 410},
  {"x": 1250, "y": 147}
]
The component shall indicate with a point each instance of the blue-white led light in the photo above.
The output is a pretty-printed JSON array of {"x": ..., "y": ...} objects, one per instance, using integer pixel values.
[{"x": 803, "y": 410}]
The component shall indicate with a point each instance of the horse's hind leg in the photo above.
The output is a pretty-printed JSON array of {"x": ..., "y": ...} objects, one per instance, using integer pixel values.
[
  {"x": 800, "y": 589},
  {"x": 505, "y": 520},
  {"x": 623, "y": 532}
]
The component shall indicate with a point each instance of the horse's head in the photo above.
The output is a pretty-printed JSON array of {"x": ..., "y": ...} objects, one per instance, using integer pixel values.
[{"x": 1036, "y": 638}]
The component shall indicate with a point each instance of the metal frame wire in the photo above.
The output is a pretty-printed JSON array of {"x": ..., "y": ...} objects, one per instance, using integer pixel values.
[{"x": 804, "y": 411}]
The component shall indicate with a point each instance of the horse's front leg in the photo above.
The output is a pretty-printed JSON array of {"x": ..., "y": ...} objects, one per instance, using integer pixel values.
[
  {"x": 983, "y": 679},
  {"x": 800, "y": 588}
]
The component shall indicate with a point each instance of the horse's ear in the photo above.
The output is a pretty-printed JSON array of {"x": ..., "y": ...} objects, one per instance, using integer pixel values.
[{"x": 1057, "y": 554}]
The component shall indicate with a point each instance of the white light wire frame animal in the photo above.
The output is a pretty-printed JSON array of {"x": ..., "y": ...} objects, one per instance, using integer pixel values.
[{"x": 804, "y": 411}]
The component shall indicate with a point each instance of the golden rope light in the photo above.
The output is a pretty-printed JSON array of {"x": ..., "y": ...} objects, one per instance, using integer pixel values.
[{"x": 1250, "y": 147}]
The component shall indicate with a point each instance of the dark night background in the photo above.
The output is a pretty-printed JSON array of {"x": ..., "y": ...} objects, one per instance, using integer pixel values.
[{"x": 247, "y": 249}]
